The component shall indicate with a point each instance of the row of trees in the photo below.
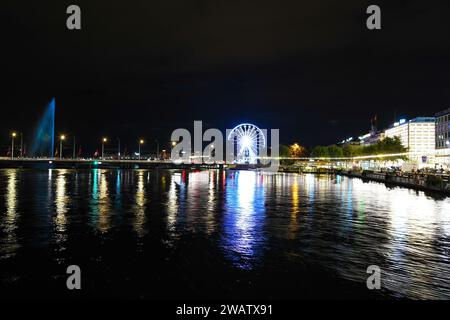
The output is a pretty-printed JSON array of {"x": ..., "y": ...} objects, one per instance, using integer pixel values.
[{"x": 386, "y": 146}]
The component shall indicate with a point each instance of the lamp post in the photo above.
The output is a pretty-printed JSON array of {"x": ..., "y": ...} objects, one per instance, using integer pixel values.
[
  {"x": 141, "y": 142},
  {"x": 13, "y": 135},
  {"x": 61, "y": 139},
  {"x": 104, "y": 140},
  {"x": 173, "y": 144}
]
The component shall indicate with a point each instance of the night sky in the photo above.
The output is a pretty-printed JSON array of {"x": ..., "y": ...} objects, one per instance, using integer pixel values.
[{"x": 143, "y": 68}]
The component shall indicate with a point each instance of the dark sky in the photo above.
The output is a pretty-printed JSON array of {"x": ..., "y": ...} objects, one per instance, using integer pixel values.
[{"x": 143, "y": 68}]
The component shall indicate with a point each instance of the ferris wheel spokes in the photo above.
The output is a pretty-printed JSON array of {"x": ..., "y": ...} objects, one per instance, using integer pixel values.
[{"x": 248, "y": 139}]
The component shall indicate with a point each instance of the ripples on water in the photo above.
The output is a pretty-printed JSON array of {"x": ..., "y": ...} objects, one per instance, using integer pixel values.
[{"x": 245, "y": 221}]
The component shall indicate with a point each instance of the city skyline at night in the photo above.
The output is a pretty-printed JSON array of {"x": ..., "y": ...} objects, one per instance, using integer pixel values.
[{"x": 224, "y": 159}]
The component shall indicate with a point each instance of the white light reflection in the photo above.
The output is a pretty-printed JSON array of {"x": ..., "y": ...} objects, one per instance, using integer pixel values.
[
  {"x": 172, "y": 202},
  {"x": 61, "y": 202},
  {"x": 99, "y": 202},
  {"x": 414, "y": 224},
  {"x": 9, "y": 224},
  {"x": 243, "y": 219},
  {"x": 139, "y": 208}
]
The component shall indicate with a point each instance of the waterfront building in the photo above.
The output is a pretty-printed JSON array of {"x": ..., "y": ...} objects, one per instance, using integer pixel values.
[
  {"x": 349, "y": 141},
  {"x": 443, "y": 137},
  {"x": 371, "y": 138},
  {"x": 418, "y": 136}
]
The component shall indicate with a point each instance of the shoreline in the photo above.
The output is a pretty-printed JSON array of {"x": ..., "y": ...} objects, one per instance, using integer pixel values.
[
  {"x": 421, "y": 182},
  {"x": 417, "y": 182}
]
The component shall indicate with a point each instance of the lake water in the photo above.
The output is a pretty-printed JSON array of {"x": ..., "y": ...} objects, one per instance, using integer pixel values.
[{"x": 162, "y": 234}]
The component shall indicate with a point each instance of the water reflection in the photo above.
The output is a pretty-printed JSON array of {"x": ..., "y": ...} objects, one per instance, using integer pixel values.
[
  {"x": 61, "y": 202},
  {"x": 100, "y": 206},
  {"x": 412, "y": 230},
  {"x": 173, "y": 201},
  {"x": 140, "y": 206},
  {"x": 61, "y": 205},
  {"x": 8, "y": 223},
  {"x": 295, "y": 210},
  {"x": 243, "y": 218},
  {"x": 244, "y": 214}
]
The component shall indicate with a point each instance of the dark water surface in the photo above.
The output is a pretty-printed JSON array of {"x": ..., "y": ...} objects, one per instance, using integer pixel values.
[{"x": 213, "y": 234}]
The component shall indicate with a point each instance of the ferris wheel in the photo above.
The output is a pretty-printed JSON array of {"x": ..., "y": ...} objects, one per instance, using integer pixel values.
[{"x": 248, "y": 141}]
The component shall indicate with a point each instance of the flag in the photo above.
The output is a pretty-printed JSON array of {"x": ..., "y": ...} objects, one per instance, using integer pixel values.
[
  {"x": 56, "y": 152},
  {"x": 79, "y": 152},
  {"x": 96, "y": 154}
]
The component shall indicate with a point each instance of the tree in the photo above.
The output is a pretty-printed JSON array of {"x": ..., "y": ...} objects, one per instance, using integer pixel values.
[
  {"x": 386, "y": 146},
  {"x": 335, "y": 151},
  {"x": 320, "y": 152},
  {"x": 296, "y": 150},
  {"x": 285, "y": 151}
]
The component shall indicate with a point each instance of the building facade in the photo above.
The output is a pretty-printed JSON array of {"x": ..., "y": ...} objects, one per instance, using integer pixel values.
[
  {"x": 443, "y": 137},
  {"x": 371, "y": 138},
  {"x": 418, "y": 136}
]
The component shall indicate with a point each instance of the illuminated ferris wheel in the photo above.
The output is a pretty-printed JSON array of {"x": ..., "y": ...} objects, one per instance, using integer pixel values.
[{"x": 248, "y": 140}]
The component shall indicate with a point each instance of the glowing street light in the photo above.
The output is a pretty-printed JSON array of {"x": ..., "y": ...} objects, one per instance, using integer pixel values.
[
  {"x": 173, "y": 144},
  {"x": 13, "y": 135},
  {"x": 61, "y": 139},
  {"x": 104, "y": 140},
  {"x": 141, "y": 142}
]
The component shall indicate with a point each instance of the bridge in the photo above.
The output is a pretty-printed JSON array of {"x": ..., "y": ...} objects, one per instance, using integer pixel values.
[
  {"x": 89, "y": 163},
  {"x": 50, "y": 163}
]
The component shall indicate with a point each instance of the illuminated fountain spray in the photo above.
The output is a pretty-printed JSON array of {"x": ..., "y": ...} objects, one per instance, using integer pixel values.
[
  {"x": 248, "y": 140},
  {"x": 44, "y": 137}
]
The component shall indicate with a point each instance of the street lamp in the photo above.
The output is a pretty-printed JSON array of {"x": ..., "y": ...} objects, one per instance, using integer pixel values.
[
  {"x": 174, "y": 143},
  {"x": 104, "y": 140},
  {"x": 13, "y": 135},
  {"x": 61, "y": 139},
  {"x": 141, "y": 142}
]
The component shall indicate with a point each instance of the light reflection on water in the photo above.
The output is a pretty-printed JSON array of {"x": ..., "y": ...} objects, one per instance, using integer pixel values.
[
  {"x": 8, "y": 225},
  {"x": 344, "y": 225},
  {"x": 140, "y": 206},
  {"x": 244, "y": 214}
]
